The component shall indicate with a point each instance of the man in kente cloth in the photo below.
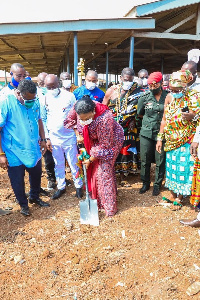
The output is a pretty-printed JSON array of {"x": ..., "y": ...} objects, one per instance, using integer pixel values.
[{"x": 122, "y": 100}]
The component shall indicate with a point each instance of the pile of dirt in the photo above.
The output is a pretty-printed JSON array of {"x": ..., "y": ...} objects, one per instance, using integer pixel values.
[{"x": 141, "y": 253}]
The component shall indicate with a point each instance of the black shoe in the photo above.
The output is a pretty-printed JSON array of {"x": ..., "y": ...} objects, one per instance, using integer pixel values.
[
  {"x": 144, "y": 188},
  {"x": 25, "y": 211},
  {"x": 58, "y": 194},
  {"x": 43, "y": 192},
  {"x": 51, "y": 185},
  {"x": 38, "y": 202},
  {"x": 68, "y": 182},
  {"x": 79, "y": 193},
  {"x": 156, "y": 191}
]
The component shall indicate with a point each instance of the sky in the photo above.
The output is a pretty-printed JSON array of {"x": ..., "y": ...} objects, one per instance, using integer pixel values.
[{"x": 47, "y": 10}]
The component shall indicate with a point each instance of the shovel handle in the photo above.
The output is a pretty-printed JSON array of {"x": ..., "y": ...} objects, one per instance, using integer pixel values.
[{"x": 86, "y": 182}]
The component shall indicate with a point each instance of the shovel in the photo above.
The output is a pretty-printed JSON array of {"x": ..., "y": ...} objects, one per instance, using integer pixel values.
[{"x": 88, "y": 207}]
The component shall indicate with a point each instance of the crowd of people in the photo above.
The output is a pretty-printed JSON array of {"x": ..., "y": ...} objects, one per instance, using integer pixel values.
[{"x": 144, "y": 119}]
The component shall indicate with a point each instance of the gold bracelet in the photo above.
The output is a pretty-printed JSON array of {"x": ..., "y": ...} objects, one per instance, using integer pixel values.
[{"x": 2, "y": 153}]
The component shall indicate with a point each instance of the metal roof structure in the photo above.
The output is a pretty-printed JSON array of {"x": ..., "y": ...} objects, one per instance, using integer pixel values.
[
  {"x": 177, "y": 31},
  {"x": 163, "y": 31},
  {"x": 43, "y": 46}
]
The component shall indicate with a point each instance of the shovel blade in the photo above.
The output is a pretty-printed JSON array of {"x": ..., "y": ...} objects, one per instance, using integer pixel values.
[{"x": 89, "y": 212}]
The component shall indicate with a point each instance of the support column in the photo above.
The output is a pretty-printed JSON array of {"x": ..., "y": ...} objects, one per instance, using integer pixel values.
[
  {"x": 68, "y": 62},
  {"x": 75, "y": 58},
  {"x": 198, "y": 21},
  {"x": 131, "y": 52},
  {"x": 106, "y": 70},
  {"x": 6, "y": 82},
  {"x": 63, "y": 65},
  {"x": 162, "y": 64}
]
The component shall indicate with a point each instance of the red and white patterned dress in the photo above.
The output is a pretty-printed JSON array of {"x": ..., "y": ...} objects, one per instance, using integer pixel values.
[{"x": 106, "y": 137}]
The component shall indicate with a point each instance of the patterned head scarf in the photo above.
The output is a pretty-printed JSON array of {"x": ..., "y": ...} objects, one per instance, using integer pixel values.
[{"x": 180, "y": 78}]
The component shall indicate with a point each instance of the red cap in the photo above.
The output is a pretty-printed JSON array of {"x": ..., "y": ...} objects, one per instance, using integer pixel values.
[{"x": 155, "y": 77}]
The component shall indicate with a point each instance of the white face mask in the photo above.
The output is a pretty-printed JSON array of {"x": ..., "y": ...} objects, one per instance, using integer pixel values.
[
  {"x": 90, "y": 85},
  {"x": 88, "y": 122},
  {"x": 67, "y": 83},
  {"x": 53, "y": 93},
  {"x": 127, "y": 85},
  {"x": 144, "y": 81}
]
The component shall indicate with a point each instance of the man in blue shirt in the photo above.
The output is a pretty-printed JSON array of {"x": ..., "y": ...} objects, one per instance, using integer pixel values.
[
  {"x": 21, "y": 129},
  {"x": 17, "y": 73},
  {"x": 90, "y": 88}
]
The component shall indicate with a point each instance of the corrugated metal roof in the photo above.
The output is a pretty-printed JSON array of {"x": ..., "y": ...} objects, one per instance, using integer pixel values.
[{"x": 161, "y": 6}]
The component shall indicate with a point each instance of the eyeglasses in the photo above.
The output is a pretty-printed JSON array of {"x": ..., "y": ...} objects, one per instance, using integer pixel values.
[{"x": 144, "y": 77}]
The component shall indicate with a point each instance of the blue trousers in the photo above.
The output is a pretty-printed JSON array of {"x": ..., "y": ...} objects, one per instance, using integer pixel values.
[{"x": 16, "y": 175}]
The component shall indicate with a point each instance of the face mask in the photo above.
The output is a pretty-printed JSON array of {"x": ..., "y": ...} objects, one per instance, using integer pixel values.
[
  {"x": 29, "y": 103},
  {"x": 144, "y": 81},
  {"x": 88, "y": 122},
  {"x": 43, "y": 90},
  {"x": 90, "y": 85},
  {"x": 53, "y": 93},
  {"x": 14, "y": 82},
  {"x": 67, "y": 83},
  {"x": 156, "y": 91},
  {"x": 127, "y": 85},
  {"x": 177, "y": 95}
]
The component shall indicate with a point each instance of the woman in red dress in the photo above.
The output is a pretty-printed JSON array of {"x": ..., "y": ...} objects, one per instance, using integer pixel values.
[{"x": 103, "y": 138}]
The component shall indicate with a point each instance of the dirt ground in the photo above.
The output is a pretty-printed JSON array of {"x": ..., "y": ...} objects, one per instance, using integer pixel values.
[{"x": 143, "y": 252}]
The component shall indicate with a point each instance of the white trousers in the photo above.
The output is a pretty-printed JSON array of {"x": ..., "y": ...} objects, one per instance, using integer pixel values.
[
  {"x": 59, "y": 154},
  {"x": 198, "y": 216}
]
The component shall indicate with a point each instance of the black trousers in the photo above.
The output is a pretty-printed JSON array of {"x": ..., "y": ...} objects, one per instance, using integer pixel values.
[
  {"x": 148, "y": 154},
  {"x": 16, "y": 175},
  {"x": 49, "y": 166}
]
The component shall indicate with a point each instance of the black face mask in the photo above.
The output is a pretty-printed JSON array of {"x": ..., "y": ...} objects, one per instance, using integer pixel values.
[{"x": 156, "y": 91}]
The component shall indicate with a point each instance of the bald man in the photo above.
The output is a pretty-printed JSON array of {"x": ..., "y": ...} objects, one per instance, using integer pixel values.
[
  {"x": 66, "y": 82},
  {"x": 18, "y": 73},
  {"x": 192, "y": 67},
  {"x": 40, "y": 79},
  {"x": 62, "y": 141},
  {"x": 48, "y": 158},
  {"x": 90, "y": 88}
]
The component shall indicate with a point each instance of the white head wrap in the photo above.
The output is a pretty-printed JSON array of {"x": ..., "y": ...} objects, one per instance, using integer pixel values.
[{"x": 194, "y": 55}]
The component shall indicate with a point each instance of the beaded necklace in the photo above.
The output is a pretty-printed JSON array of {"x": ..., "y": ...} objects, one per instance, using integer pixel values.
[{"x": 121, "y": 104}]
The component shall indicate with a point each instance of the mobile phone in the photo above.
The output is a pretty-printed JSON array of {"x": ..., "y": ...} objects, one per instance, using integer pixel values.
[{"x": 185, "y": 109}]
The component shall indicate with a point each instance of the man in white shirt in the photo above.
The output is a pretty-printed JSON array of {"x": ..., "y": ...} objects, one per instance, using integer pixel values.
[
  {"x": 48, "y": 158},
  {"x": 56, "y": 105}
]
